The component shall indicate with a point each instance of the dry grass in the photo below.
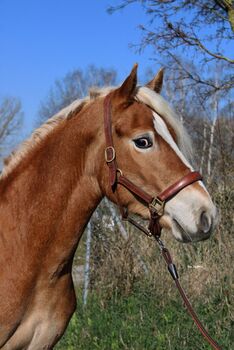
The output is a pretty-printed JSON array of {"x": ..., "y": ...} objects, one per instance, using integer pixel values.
[{"x": 203, "y": 267}]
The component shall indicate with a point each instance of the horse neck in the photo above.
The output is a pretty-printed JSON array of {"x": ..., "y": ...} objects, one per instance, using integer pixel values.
[{"x": 53, "y": 193}]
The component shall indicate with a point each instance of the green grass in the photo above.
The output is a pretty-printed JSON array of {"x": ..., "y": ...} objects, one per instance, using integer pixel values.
[{"x": 143, "y": 321}]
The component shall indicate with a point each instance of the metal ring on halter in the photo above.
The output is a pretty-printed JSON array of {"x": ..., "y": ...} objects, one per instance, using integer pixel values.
[
  {"x": 112, "y": 157},
  {"x": 119, "y": 171}
]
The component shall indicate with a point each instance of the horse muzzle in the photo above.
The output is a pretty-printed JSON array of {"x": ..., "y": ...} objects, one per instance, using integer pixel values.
[{"x": 191, "y": 216}]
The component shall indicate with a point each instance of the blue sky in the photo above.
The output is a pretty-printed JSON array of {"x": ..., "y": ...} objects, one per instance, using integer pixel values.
[{"x": 41, "y": 40}]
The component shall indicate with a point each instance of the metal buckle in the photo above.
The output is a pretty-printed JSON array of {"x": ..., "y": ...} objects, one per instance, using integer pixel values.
[
  {"x": 111, "y": 148},
  {"x": 157, "y": 205}
]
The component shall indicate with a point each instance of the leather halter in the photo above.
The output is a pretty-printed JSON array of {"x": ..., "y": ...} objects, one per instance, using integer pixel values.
[
  {"x": 155, "y": 204},
  {"x": 156, "y": 208}
]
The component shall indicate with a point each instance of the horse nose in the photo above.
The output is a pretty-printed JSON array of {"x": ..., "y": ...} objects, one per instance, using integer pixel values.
[{"x": 205, "y": 224}]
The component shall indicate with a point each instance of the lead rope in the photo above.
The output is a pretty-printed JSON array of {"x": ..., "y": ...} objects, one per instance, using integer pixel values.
[{"x": 173, "y": 272}]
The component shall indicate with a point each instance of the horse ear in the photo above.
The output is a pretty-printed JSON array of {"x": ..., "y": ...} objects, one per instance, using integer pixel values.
[
  {"x": 127, "y": 89},
  {"x": 156, "y": 83}
]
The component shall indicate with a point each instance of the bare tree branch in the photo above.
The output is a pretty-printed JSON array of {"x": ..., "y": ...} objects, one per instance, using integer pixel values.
[
  {"x": 200, "y": 29},
  {"x": 74, "y": 85},
  {"x": 10, "y": 122},
  {"x": 195, "y": 41}
]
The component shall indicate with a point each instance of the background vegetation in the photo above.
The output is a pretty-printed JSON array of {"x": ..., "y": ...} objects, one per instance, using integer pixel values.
[
  {"x": 132, "y": 303},
  {"x": 132, "y": 307}
]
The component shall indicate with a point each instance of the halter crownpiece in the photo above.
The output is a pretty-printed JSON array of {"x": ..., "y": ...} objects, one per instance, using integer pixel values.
[{"x": 156, "y": 208}]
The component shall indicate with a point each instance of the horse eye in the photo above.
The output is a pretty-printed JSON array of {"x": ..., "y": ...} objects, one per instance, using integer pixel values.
[{"x": 143, "y": 142}]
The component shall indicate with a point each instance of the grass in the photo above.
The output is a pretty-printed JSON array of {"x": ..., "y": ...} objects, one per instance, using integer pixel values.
[{"x": 143, "y": 320}]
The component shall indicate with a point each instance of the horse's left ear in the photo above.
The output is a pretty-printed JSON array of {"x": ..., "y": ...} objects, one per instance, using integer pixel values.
[
  {"x": 156, "y": 83},
  {"x": 126, "y": 91}
]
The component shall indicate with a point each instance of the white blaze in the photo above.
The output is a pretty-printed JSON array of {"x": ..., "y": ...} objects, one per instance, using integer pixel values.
[{"x": 162, "y": 130}]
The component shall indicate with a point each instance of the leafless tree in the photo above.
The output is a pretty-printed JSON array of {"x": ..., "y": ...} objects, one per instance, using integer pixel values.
[
  {"x": 10, "y": 122},
  {"x": 202, "y": 30},
  {"x": 209, "y": 122},
  {"x": 73, "y": 85}
]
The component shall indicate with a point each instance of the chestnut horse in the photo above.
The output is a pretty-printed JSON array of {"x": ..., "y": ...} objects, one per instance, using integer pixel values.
[{"x": 51, "y": 185}]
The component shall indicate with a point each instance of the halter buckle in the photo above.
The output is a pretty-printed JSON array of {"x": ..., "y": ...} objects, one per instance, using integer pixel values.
[
  {"x": 109, "y": 154},
  {"x": 157, "y": 206}
]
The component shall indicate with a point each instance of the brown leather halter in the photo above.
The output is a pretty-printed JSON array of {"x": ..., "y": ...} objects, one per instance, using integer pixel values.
[{"x": 155, "y": 205}]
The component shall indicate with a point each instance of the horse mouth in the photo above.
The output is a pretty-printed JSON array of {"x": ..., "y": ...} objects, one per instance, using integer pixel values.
[{"x": 185, "y": 236}]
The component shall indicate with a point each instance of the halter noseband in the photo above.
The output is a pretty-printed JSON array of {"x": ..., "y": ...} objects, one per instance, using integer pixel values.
[{"x": 155, "y": 204}]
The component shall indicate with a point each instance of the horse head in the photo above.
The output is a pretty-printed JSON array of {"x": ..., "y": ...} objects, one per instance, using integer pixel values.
[{"x": 151, "y": 148}]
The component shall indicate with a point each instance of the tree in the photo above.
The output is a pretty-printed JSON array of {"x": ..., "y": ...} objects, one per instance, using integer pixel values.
[
  {"x": 10, "y": 122},
  {"x": 202, "y": 29},
  {"x": 228, "y": 7},
  {"x": 74, "y": 85}
]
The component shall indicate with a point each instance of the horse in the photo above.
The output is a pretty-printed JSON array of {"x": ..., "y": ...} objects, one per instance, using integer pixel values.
[{"x": 53, "y": 182}]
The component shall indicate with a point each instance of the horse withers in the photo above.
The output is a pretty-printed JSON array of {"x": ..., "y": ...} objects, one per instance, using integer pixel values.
[{"x": 53, "y": 182}]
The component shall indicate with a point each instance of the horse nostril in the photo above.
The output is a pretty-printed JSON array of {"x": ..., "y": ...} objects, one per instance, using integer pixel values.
[{"x": 205, "y": 222}]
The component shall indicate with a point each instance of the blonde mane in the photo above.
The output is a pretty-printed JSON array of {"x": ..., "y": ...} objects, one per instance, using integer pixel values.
[{"x": 143, "y": 94}]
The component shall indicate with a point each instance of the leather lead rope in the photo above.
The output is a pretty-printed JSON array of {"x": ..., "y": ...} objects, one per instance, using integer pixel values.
[
  {"x": 156, "y": 208},
  {"x": 173, "y": 271}
]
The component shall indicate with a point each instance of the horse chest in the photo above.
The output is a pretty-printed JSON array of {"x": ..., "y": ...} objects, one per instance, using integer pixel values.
[{"x": 45, "y": 318}]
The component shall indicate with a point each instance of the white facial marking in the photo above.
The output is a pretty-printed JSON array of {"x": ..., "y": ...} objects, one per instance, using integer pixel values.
[{"x": 163, "y": 131}]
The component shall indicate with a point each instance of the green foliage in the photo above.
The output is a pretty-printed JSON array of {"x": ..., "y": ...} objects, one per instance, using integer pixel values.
[{"x": 142, "y": 320}]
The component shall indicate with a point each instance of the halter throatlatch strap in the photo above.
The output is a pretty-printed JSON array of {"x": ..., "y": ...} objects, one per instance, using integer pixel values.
[{"x": 156, "y": 208}]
